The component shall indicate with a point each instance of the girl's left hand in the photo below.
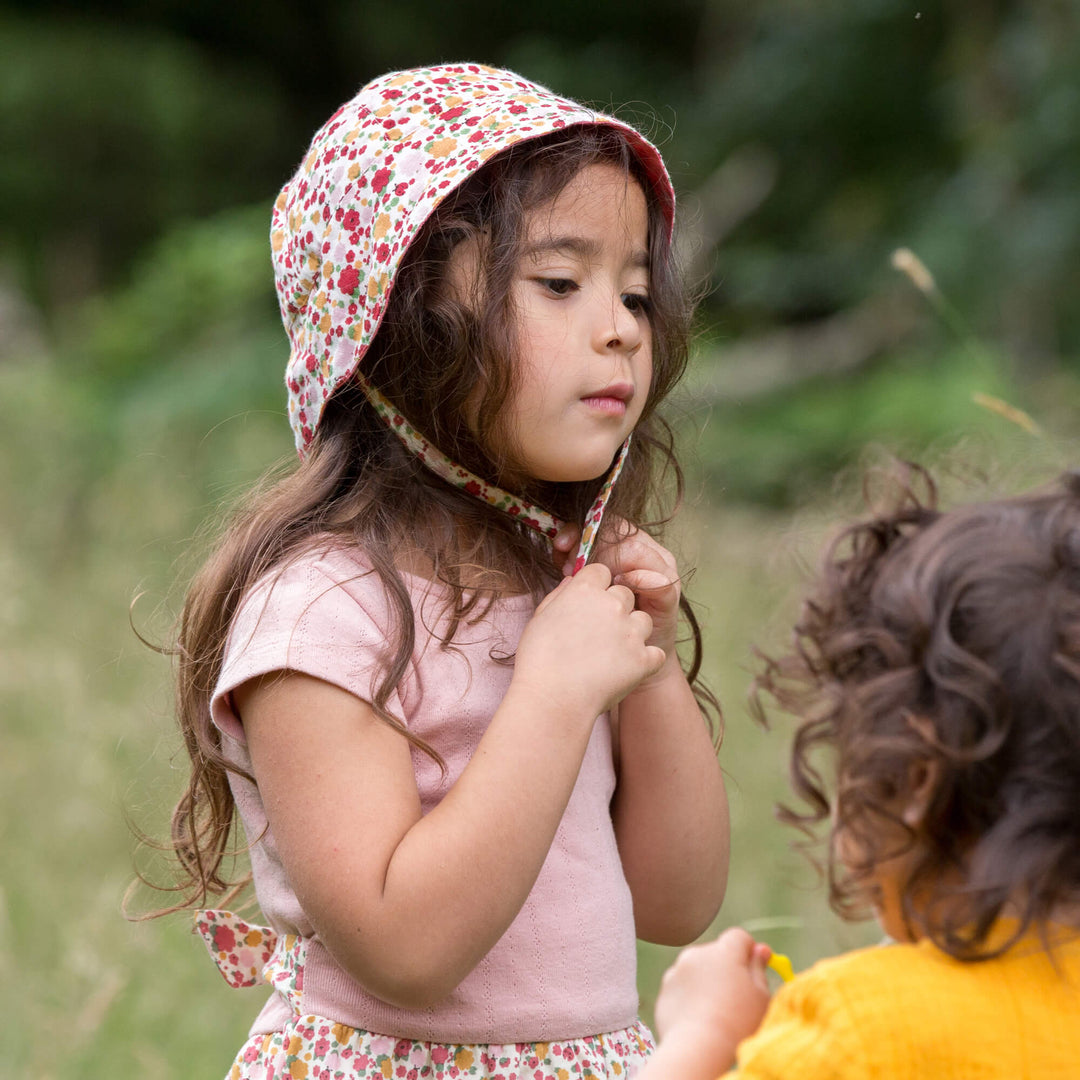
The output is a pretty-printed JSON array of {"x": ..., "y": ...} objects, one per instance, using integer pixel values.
[
  {"x": 711, "y": 998},
  {"x": 640, "y": 563},
  {"x": 669, "y": 807}
]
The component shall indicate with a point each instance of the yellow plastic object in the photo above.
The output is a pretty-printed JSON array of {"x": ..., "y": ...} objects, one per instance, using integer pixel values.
[{"x": 782, "y": 966}]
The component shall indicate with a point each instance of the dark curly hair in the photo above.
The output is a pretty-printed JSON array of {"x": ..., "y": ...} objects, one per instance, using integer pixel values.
[{"x": 936, "y": 663}]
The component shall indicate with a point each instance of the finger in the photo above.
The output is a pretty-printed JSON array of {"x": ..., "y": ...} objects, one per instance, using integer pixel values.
[
  {"x": 566, "y": 539},
  {"x": 596, "y": 575},
  {"x": 613, "y": 531},
  {"x": 759, "y": 960},
  {"x": 656, "y": 657},
  {"x": 563, "y": 547},
  {"x": 643, "y": 582},
  {"x": 639, "y": 551},
  {"x": 642, "y": 622},
  {"x": 628, "y": 600},
  {"x": 610, "y": 541},
  {"x": 737, "y": 943}
]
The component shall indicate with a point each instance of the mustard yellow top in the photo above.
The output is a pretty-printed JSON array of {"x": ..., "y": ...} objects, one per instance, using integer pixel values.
[{"x": 907, "y": 1011}]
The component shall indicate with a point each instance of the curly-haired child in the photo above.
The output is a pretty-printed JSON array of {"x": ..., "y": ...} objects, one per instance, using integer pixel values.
[{"x": 937, "y": 666}]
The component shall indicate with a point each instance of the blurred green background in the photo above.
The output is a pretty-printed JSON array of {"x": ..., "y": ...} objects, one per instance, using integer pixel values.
[{"x": 141, "y": 362}]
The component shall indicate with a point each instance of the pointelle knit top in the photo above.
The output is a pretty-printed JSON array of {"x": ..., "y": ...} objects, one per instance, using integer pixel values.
[{"x": 566, "y": 967}]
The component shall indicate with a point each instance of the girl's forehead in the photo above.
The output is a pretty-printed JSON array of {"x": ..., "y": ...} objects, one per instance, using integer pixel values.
[{"x": 601, "y": 203}]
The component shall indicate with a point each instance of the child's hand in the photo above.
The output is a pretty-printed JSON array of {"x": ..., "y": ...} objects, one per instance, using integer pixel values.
[
  {"x": 713, "y": 997},
  {"x": 644, "y": 566},
  {"x": 586, "y": 647}
]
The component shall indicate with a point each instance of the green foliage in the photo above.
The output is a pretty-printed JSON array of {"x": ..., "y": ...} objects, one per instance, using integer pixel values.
[
  {"x": 951, "y": 130},
  {"x": 776, "y": 450},
  {"x": 193, "y": 345},
  {"x": 205, "y": 281},
  {"x": 111, "y": 135}
]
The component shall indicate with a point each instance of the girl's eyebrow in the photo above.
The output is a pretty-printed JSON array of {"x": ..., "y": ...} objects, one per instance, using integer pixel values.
[{"x": 581, "y": 246}]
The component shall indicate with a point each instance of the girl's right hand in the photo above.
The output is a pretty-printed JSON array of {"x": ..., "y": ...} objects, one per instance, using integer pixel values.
[
  {"x": 585, "y": 646},
  {"x": 711, "y": 998}
]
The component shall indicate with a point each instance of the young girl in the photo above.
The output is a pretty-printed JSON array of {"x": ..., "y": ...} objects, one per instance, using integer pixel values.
[
  {"x": 937, "y": 664},
  {"x": 469, "y": 766}
]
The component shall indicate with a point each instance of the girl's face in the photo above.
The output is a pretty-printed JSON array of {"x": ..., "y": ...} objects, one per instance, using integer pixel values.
[{"x": 581, "y": 303}]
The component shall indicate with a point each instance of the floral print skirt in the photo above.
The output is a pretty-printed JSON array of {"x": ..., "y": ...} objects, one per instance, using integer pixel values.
[
  {"x": 315, "y": 1048},
  {"x": 312, "y": 1048}
]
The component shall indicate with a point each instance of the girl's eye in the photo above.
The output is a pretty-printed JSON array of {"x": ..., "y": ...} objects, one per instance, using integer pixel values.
[
  {"x": 558, "y": 286},
  {"x": 638, "y": 303}
]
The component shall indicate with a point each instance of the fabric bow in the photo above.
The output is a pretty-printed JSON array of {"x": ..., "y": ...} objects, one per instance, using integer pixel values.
[{"x": 247, "y": 954}]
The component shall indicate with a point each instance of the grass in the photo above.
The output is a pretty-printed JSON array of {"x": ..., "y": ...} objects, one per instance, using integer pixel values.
[{"x": 90, "y": 515}]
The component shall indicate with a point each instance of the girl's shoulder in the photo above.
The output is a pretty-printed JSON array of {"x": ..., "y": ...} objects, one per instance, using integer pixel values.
[
  {"x": 332, "y": 557},
  {"x": 921, "y": 979},
  {"x": 872, "y": 973},
  {"x": 323, "y": 611},
  {"x": 325, "y": 562},
  {"x": 316, "y": 585},
  {"x": 332, "y": 578}
]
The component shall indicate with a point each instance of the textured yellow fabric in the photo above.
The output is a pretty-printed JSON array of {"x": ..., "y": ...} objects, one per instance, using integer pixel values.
[{"x": 901, "y": 1011}]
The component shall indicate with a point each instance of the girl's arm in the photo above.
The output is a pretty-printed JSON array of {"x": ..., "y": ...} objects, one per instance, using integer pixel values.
[
  {"x": 670, "y": 808},
  {"x": 407, "y": 903},
  {"x": 711, "y": 998}
]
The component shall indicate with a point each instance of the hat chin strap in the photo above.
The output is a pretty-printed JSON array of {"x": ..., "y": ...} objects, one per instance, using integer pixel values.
[{"x": 525, "y": 512}]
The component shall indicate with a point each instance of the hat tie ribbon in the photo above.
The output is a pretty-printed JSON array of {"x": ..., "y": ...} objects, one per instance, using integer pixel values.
[{"x": 511, "y": 505}]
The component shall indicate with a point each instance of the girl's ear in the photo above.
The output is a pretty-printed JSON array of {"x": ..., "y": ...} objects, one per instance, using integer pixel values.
[{"x": 923, "y": 777}]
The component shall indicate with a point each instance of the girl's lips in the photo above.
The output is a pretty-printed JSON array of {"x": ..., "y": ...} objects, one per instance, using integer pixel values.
[
  {"x": 612, "y": 400},
  {"x": 607, "y": 404}
]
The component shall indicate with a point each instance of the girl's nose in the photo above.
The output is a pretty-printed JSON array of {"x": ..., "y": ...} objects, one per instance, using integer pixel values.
[{"x": 617, "y": 327}]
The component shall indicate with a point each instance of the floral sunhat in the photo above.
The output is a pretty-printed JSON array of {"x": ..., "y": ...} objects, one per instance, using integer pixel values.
[{"x": 373, "y": 174}]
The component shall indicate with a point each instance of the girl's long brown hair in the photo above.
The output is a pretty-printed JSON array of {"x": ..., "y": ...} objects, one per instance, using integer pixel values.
[{"x": 432, "y": 355}]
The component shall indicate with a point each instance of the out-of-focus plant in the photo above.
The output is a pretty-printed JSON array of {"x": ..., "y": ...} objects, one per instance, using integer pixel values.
[
  {"x": 113, "y": 135},
  {"x": 809, "y": 141}
]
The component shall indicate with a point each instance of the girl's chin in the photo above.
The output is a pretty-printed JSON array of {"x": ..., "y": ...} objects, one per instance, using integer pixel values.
[
  {"x": 587, "y": 468},
  {"x": 580, "y": 477}
]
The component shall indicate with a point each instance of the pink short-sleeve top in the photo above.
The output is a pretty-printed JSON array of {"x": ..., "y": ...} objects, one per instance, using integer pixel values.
[{"x": 566, "y": 967}]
